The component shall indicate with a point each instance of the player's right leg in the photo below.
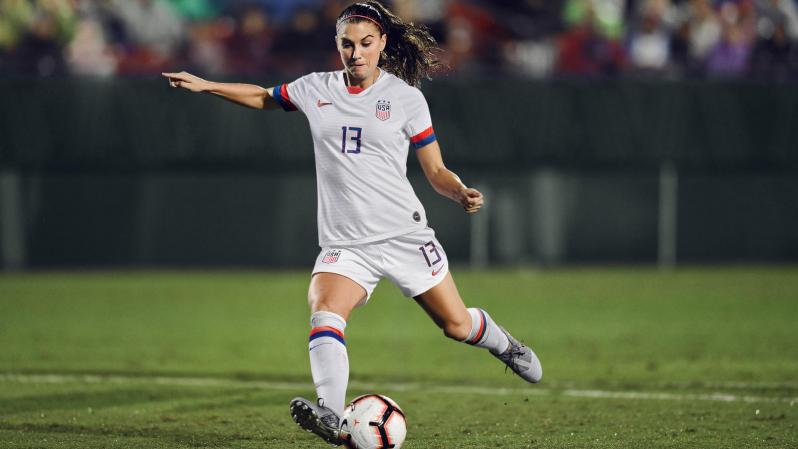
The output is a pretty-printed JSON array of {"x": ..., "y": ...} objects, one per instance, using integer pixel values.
[
  {"x": 332, "y": 298},
  {"x": 342, "y": 280}
]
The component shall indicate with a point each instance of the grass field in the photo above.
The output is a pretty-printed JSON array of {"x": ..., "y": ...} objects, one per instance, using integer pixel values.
[{"x": 703, "y": 357}]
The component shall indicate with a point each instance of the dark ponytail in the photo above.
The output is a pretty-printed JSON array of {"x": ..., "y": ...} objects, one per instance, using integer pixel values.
[{"x": 410, "y": 50}]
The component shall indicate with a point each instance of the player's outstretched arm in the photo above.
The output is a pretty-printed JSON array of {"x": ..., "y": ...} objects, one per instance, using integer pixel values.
[
  {"x": 444, "y": 181},
  {"x": 248, "y": 95}
]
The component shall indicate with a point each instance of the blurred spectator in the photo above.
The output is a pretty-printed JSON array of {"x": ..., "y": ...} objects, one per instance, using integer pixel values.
[
  {"x": 531, "y": 25},
  {"x": 249, "y": 48},
  {"x": 774, "y": 53},
  {"x": 606, "y": 16},
  {"x": 730, "y": 56},
  {"x": 33, "y": 36},
  {"x": 431, "y": 13},
  {"x": 584, "y": 51},
  {"x": 703, "y": 31},
  {"x": 683, "y": 63},
  {"x": 426, "y": 11},
  {"x": 473, "y": 40},
  {"x": 771, "y": 12},
  {"x": 89, "y": 53},
  {"x": 153, "y": 33},
  {"x": 207, "y": 52},
  {"x": 650, "y": 40},
  {"x": 15, "y": 19},
  {"x": 480, "y": 38}
]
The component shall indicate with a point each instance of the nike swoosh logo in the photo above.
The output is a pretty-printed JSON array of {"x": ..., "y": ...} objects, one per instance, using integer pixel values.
[
  {"x": 435, "y": 273},
  {"x": 320, "y": 103}
]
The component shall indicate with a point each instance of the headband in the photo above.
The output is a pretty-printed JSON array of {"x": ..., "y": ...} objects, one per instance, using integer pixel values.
[
  {"x": 351, "y": 16},
  {"x": 360, "y": 16}
]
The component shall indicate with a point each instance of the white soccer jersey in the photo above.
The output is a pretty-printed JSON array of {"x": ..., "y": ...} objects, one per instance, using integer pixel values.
[{"x": 361, "y": 140}]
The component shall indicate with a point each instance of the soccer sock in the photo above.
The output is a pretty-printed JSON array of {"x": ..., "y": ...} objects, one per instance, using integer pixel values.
[
  {"x": 485, "y": 333},
  {"x": 329, "y": 362}
]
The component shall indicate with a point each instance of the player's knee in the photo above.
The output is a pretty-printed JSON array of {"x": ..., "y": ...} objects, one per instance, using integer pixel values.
[
  {"x": 318, "y": 303},
  {"x": 325, "y": 303},
  {"x": 457, "y": 329}
]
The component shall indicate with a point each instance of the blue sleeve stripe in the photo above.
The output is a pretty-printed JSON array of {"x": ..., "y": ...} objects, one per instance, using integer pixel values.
[
  {"x": 425, "y": 141},
  {"x": 276, "y": 96},
  {"x": 284, "y": 103}
]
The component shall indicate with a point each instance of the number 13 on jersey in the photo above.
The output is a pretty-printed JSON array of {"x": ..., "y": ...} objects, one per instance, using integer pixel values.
[{"x": 350, "y": 133}]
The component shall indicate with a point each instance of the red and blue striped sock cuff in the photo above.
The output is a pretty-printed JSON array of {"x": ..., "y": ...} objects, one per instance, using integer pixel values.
[
  {"x": 482, "y": 327},
  {"x": 327, "y": 331}
]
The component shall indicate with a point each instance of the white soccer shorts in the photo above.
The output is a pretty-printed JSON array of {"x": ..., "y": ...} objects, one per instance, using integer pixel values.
[{"x": 414, "y": 262}]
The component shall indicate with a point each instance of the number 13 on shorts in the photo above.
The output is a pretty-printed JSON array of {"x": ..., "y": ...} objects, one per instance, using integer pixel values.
[{"x": 429, "y": 249}]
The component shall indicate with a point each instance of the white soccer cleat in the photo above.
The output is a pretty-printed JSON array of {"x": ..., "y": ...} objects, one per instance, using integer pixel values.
[
  {"x": 318, "y": 419},
  {"x": 521, "y": 359}
]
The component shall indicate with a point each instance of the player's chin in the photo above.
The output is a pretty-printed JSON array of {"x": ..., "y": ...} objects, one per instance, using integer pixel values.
[{"x": 358, "y": 72}]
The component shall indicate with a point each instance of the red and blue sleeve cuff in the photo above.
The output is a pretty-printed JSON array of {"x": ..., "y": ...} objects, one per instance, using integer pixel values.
[
  {"x": 280, "y": 93},
  {"x": 423, "y": 138}
]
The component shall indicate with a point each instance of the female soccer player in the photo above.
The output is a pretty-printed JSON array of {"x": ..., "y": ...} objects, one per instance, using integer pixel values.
[{"x": 371, "y": 224}]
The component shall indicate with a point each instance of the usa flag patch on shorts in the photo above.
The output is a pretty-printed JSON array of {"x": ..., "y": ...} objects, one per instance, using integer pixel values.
[
  {"x": 383, "y": 110},
  {"x": 332, "y": 256}
]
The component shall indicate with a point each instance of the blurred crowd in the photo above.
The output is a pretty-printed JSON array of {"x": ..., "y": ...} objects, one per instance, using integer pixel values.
[{"x": 668, "y": 39}]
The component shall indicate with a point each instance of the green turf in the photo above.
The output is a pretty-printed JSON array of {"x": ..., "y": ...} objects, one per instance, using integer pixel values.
[{"x": 243, "y": 338}]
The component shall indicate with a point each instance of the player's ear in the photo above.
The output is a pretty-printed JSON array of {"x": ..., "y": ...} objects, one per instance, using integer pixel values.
[{"x": 383, "y": 41}]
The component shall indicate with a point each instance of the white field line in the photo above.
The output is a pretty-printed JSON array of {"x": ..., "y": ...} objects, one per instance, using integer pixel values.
[
  {"x": 750, "y": 385},
  {"x": 714, "y": 397},
  {"x": 405, "y": 386},
  {"x": 755, "y": 385}
]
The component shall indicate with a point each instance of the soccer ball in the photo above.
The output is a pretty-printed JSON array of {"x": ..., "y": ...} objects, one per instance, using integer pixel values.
[{"x": 373, "y": 421}]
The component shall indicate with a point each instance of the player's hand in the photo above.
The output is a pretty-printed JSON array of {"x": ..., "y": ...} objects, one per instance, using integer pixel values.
[
  {"x": 472, "y": 200},
  {"x": 186, "y": 81}
]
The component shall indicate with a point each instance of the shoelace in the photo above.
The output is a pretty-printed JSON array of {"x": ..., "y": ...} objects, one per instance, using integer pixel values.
[{"x": 510, "y": 357}]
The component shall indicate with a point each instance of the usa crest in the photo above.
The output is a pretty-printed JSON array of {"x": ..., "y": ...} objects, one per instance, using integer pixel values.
[
  {"x": 332, "y": 256},
  {"x": 383, "y": 110}
]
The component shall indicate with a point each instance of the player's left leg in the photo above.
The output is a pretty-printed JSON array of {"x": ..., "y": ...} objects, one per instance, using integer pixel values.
[
  {"x": 475, "y": 327},
  {"x": 418, "y": 265}
]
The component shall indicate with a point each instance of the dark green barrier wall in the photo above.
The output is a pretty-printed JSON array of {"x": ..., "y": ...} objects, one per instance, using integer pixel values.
[
  {"x": 134, "y": 173},
  {"x": 202, "y": 219},
  {"x": 144, "y": 124}
]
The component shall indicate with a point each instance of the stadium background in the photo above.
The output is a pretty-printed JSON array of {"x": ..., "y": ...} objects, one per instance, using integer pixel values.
[
  {"x": 605, "y": 131},
  {"x": 622, "y": 135}
]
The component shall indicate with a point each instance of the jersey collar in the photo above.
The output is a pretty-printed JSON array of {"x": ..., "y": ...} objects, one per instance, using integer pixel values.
[{"x": 354, "y": 90}]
